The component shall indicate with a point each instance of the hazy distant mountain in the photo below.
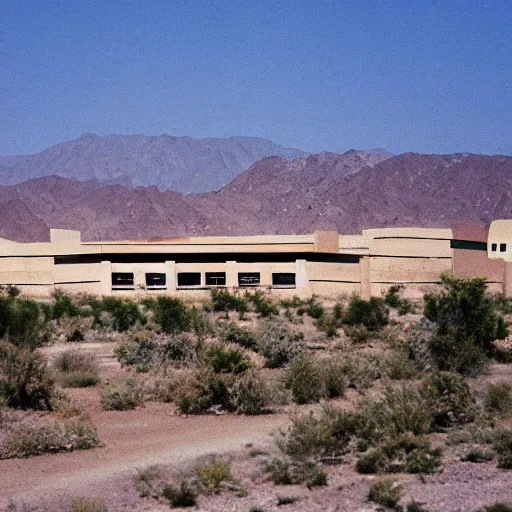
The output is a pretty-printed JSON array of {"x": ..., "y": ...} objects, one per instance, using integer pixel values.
[
  {"x": 182, "y": 164},
  {"x": 347, "y": 192}
]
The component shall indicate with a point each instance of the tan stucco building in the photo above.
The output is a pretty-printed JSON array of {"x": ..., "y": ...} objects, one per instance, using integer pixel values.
[{"x": 323, "y": 263}]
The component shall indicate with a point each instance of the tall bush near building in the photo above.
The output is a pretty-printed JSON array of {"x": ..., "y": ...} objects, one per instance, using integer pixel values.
[{"x": 172, "y": 315}]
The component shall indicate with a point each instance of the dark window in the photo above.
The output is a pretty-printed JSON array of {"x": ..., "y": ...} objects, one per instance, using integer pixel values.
[
  {"x": 503, "y": 247},
  {"x": 122, "y": 279},
  {"x": 283, "y": 278},
  {"x": 189, "y": 279},
  {"x": 154, "y": 279},
  {"x": 248, "y": 278},
  {"x": 469, "y": 245},
  {"x": 215, "y": 278},
  {"x": 494, "y": 247}
]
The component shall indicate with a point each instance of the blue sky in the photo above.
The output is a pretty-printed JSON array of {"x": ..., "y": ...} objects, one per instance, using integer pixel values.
[{"x": 430, "y": 76}]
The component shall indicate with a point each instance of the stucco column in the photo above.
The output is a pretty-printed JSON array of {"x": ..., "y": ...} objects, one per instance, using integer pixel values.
[
  {"x": 507, "y": 279},
  {"x": 231, "y": 274},
  {"x": 364, "y": 273},
  {"x": 106, "y": 278},
  {"x": 303, "y": 290},
  {"x": 170, "y": 276}
]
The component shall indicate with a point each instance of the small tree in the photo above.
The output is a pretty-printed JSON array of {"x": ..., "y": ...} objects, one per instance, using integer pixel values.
[{"x": 464, "y": 311}]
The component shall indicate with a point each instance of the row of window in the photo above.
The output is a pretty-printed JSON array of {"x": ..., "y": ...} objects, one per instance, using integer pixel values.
[
  {"x": 503, "y": 247},
  {"x": 157, "y": 280}
]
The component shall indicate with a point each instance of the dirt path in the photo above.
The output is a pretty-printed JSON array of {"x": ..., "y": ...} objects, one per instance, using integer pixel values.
[{"x": 132, "y": 439}]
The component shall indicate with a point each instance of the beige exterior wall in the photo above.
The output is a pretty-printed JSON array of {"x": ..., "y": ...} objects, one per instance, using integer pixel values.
[{"x": 411, "y": 256}]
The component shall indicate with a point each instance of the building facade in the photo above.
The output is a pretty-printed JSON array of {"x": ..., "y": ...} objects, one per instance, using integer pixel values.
[{"x": 323, "y": 263}]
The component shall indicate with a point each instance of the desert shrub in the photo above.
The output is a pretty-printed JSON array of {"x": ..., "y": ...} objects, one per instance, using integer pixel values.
[
  {"x": 295, "y": 302},
  {"x": 372, "y": 313},
  {"x": 200, "y": 324},
  {"x": 22, "y": 322},
  {"x": 502, "y": 304},
  {"x": 502, "y": 444},
  {"x": 125, "y": 313},
  {"x": 24, "y": 379},
  {"x": 148, "y": 481},
  {"x": 415, "y": 506},
  {"x": 139, "y": 350},
  {"x": 225, "y": 358},
  {"x": 394, "y": 300},
  {"x": 386, "y": 492},
  {"x": 264, "y": 306},
  {"x": 498, "y": 398},
  {"x": 239, "y": 335},
  {"x": 250, "y": 394},
  {"x": 181, "y": 496},
  {"x": 478, "y": 455},
  {"x": 454, "y": 354},
  {"x": 479, "y": 432},
  {"x": 314, "y": 309},
  {"x": 400, "y": 409},
  {"x": 172, "y": 315},
  {"x": 213, "y": 473},
  {"x": 28, "y": 436},
  {"x": 76, "y": 335},
  {"x": 362, "y": 370},
  {"x": 121, "y": 395},
  {"x": 498, "y": 507},
  {"x": 333, "y": 376},
  {"x": 179, "y": 349},
  {"x": 64, "y": 306},
  {"x": 464, "y": 311},
  {"x": 419, "y": 337},
  {"x": 88, "y": 505},
  {"x": 399, "y": 366},
  {"x": 285, "y": 472},
  {"x": 405, "y": 454},
  {"x": 277, "y": 344},
  {"x": 223, "y": 300},
  {"x": 76, "y": 369},
  {"x": 305, "y": 379},
  {"x": 357, "y": 333},
  {"x": 449, "y": 399},
  {"x": 322, "y": 435},
  {"x": 329, "y": 324}
]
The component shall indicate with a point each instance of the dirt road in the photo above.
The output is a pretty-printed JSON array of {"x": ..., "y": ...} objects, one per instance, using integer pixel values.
[{"x": 132, "y": 439}]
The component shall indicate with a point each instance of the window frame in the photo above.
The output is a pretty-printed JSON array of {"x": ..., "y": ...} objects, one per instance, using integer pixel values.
[
  {"x": 188, "y": 285},
  {"x": 125, "y": 286},
  {"x": 242, "y": 275},
  {"x": 214, "y": 275},
  {"x": 156, "y": 286},
  {"x": 286, "y": 285}
]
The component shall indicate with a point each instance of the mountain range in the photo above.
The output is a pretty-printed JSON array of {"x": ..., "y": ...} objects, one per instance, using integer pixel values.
[
  {"x": 348, "y": 192},
  {"x": 182, "y": 164}
]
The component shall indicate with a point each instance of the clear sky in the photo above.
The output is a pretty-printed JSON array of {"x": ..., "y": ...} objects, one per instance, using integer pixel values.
[{"x": 431, "y": 76}]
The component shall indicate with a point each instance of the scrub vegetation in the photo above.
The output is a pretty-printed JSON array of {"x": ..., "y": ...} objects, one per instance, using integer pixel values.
[{"x": 385, "y": 386}]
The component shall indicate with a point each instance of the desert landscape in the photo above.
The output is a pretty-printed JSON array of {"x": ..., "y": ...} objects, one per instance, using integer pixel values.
[{"x": 244, "y": 402}]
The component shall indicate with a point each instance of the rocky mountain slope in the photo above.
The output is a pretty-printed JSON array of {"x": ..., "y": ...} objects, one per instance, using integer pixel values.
[
  {"x": 181, "y": 164},
  {"x": 348, "y": 192}
]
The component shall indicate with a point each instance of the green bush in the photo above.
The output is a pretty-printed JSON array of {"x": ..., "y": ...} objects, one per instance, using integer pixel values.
[
  {"x": 172, "y": 315},
  {"x": 284, "y": 472},
  {"x": 498, "y": 507},
  {"x": 305, "y": 379},
  {"x": 88, "y": 505},
  {"x": 357, "y": 333},
  {"x": 24, "y": 379},
  {"x": 295, "y": 302},
  {"x": 223, "y": 300},
  {"x": 449, "y": 399},
  {"x": 22, "y": 321},
  {"x": 314, "y": 310},
  {"x": 213, "y": 473},
  {"x": 405, "y": 454},
  {"x": 76, "y": 369},
  {"x": 140, "y": 350},
  {"x": 385, "y": 492},
  {"x": 415, "y": 506},
  {"x": 478, "y": 455},
  {"x": 498, "y": 398},
  {"x": 394, "y": 300},
  {"x": 400, "y": 367},
  {"x": 121, "y": 395},
  {"x": 419, "y": 337},
  {"x": 334, "y": 378},
  {"x": 225, "y": 358},
  {"x": 464, "y": 311},
  {"x": 125, "y": 313},
  {"x": 250, "y": 394},
  {"x": 239, "y": 335},
  {"x": 64, "y": 306},
  {"x": 322, "y": 435},
  {"x": 178, "y": 349},
  {"x": 278, "y": 345},
  {"x": 372, "y": 313},
  {"x": 400, "y": 409},
  {"x": 362, "y": 370},
  {"x": 264, "y": 306},
  {"x": 182, "y": 496},
  {"x": 502, "y": 444}
]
